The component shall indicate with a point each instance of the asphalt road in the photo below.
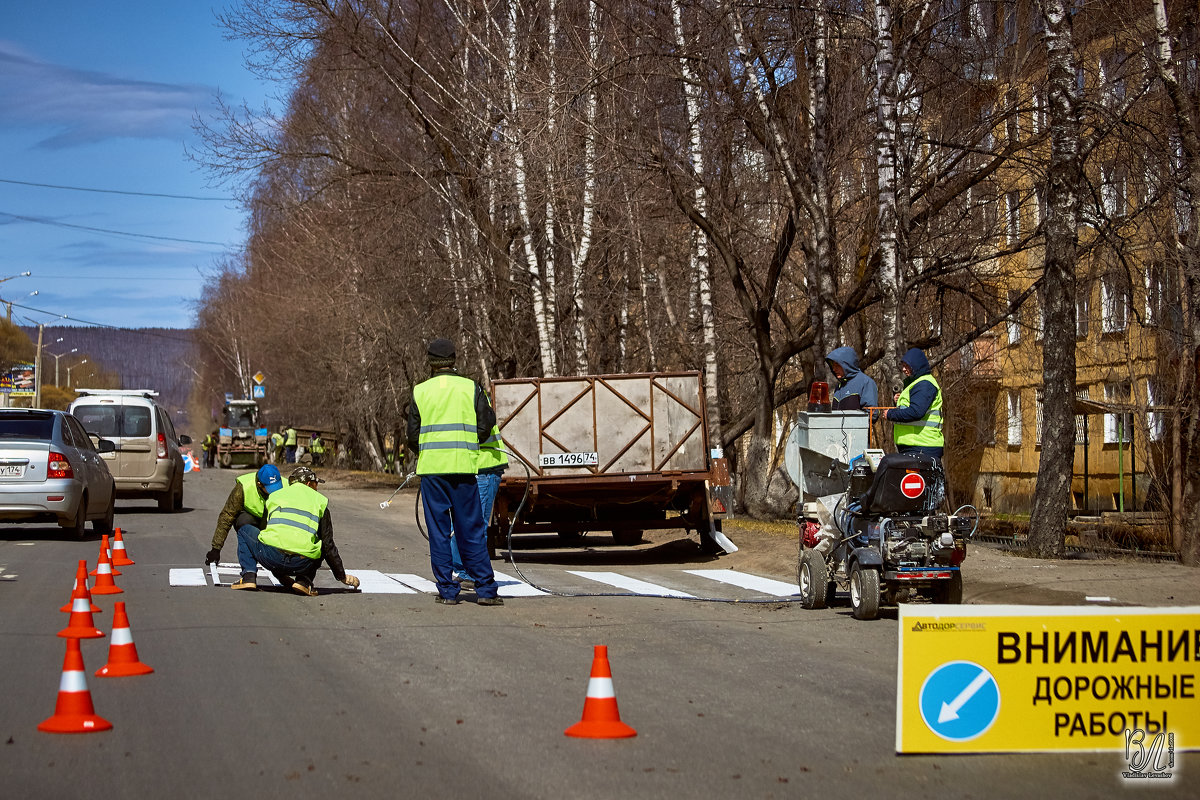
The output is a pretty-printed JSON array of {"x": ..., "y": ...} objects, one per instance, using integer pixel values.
[{"x": 392, "y": 696}]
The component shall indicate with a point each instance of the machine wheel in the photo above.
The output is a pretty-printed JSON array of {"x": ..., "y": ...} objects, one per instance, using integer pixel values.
[
  {"x": 627, "y": 537},
  {"x": 949, "y": 592},
  {"x": 864, "y": 592},
  {"x": 105, "y": 524},
  {"x": 225, "y": 460},
  {"x": 813, "y": 578}
]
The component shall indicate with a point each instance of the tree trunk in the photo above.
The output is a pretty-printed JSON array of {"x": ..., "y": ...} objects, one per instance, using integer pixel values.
[
  {"x": 885, "y": 167},
  {"x": 1052, "y": 498}
]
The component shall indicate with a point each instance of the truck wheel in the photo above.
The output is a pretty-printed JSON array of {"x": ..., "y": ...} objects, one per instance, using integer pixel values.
[
  {"x": 864, "y": 592},
  {"x": 814, "y": 580},
  {"x": 949, "y": 592},
  {"x": 226, "y": 460},
  {"x": 627, "y": 537}
]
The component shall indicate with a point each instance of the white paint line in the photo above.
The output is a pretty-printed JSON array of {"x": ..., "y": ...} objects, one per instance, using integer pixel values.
[
  {"x": 216, "y": 575},
  {"x": 192, "y": 576},
  {"x": 421, "y": 584},
  {"x": 1098, "y": 599},
  {"x": 746, "y": 581},
  {"x": 265, "y": 574},
  {"x": 508, "y": 586},
  {"x": 629, "y": 584},
  {"x": 372, "y": 581}
]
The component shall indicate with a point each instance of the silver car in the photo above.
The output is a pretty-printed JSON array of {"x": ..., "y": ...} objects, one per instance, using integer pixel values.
[{"x": 52, "y": 471}]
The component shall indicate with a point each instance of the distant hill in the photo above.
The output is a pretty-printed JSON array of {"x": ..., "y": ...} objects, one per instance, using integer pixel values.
[{"x": 145, "y": 358}]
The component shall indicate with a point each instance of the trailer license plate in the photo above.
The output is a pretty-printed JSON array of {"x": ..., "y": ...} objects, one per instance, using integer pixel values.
[{"x": 568, "y": 460}]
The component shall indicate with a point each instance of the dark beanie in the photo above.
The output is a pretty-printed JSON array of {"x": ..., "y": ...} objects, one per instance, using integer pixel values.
[{"x": 441, "y": 349}]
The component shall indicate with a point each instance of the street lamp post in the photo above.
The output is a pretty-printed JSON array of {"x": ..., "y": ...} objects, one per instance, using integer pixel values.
[
  {"x": 8, "y": 304},
  {"x": 56, "y": 359},
  {"x": 71, "y": 367}
]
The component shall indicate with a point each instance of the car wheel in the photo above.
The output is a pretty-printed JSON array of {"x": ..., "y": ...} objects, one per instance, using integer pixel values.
[
  {"x": 177, "y": 501},
  {"x": 105, "y": 524},
  {"x": 78, "y": 528},
  {"x": 166, "y": 499}
]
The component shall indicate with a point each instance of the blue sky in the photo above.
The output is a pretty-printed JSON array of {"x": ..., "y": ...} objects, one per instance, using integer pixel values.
[{"x": 102, "y": 96}]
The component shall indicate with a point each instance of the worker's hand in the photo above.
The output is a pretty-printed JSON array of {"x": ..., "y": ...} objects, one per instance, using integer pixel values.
[
  {"x": 351, "y": 581},
  {"x": 213, "y": 556}
]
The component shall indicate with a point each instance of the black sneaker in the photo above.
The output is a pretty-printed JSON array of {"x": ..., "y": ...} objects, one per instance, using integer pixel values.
[
  {"x": 489, "y": 601},
  {"x": 446, "y": 601},
  {"x": 247, "y": 581}
]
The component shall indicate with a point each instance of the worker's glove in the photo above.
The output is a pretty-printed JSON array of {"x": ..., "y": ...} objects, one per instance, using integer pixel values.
[
  {"x": 350, "y": 581},
  {"x": 213, "y": 556}
]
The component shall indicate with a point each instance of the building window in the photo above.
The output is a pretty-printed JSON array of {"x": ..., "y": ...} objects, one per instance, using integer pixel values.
[
  {"x": 985, "y": 420},
  {"x": 1154, "y": 419},
  {"x": 1117, "y": 425},
  {"x": 1083, "y": 309},
  {"x": 1012, "y": 213},
  {"x": 1114, "y": 300},
  {"x": 1014, "y": 319},
  {"x": 1081, "y": 420},
  {"x": 1157, "y": 295},
  {"x": 1041, "y": 396},
  {"x": 1113, "y": 192},
  {"x": 1014, "y": 419}
]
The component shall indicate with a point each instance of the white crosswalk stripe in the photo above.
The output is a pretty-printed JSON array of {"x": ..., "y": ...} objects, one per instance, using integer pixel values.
[
  {"x": 630, "y": 584},
  {"x": 767, "y": 586},
  {"x": 376, "y": 582}
]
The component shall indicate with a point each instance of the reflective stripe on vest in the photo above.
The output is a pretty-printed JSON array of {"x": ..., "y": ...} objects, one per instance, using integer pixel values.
[
  {"x": 252, "y": 501},
  {"x": 293, "y": 516},
  {"x": 491, "y": 453},
  {"x": 924, "y": 432},
  {"x": 449, "y": 439}
]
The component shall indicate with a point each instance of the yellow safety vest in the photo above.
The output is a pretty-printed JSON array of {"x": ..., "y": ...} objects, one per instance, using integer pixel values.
[
  {"x": 924, "y": 432},
  {"x": 449, "y": 438},
  {"x": 252, "y": 501},
  {"x": 293, "y": 515}
]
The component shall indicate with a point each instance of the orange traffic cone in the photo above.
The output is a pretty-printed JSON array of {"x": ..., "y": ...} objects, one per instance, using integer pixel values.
[
  {"x": 601, "y": 719},
  {"x": 74, "y": 712},
  {"x": 105, "y": 555},
  {"x": 104, "y": 576},
  {"x": 81, "y": 576},
  {"x": 122, "y": 653},
  {"x": 119, "y": 557},
  {"x": 80, "y": 624}
]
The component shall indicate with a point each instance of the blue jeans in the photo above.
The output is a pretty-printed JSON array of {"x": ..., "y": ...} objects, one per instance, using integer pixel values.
[
  {"x": 489, "y": 484},
  {"x": 282, "y": 564},
  {"x": 451, "y": 503}
]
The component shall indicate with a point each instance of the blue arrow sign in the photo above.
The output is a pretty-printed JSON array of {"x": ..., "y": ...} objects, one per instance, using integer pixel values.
[{"x": 959, "y": 701}]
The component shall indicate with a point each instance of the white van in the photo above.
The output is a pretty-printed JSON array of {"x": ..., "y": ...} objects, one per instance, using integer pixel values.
[{"x": 147, "y": 462}]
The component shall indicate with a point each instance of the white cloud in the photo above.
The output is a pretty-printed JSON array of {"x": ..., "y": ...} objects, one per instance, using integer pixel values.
[{"x": 82, "y": 107}]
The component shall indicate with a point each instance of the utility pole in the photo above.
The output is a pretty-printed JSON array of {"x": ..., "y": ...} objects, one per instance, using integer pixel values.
[{"x": 37, "y": 370}]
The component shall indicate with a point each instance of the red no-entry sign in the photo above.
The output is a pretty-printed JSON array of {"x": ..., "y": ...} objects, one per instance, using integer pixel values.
[{"x": 912, "y": 485}]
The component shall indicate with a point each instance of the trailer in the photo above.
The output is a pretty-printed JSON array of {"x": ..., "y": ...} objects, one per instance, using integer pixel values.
[{"x": 617, "y": 453}]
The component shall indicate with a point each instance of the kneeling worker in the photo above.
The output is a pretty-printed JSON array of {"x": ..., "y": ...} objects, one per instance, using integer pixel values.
[
  {"x": 297, "y": 538},
  {"x": 246, "y": 505}
]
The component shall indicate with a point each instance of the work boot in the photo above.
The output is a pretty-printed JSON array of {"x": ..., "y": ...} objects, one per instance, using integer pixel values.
[
  {"x": 247, "y": 581},
  {"x": 446, "y": 601},
  {"x": 489, "y": 601},
  {"x": 306, "y": 589}
]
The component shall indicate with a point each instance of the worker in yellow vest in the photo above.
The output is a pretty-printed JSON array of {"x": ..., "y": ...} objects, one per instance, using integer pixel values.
[
  {"x": 917, "y": 417},
  {"x": 447, "y": 420},
  {"x": 289, "y": 444},
  {"x": 297, "y": 538},
  {"x": 246, "y": 505}
]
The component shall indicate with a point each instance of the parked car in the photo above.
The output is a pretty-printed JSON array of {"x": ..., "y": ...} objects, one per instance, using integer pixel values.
[
  {"x": 51, "y": 471},
  {"x": 147, "y": 461}
]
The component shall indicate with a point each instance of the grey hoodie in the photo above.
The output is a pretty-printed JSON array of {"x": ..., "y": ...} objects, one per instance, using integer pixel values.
[{"x": 853, "y": 382}]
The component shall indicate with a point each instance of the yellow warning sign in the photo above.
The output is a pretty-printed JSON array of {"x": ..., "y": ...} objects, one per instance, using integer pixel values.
[{"x": 1040, "y": 679}]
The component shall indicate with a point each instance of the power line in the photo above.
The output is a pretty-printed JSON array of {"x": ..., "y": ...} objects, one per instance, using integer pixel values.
[
  {"x": 88, "y": 322},
  {"x": 56, "y": 223},
  {"x": 116, "y": 191}
]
